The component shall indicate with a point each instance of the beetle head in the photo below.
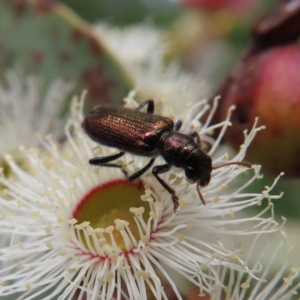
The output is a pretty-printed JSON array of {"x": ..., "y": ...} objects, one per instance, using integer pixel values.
[{"x": 198, "y": 167}]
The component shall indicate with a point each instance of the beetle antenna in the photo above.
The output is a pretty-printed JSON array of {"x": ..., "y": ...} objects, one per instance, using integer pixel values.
[
  {"x": 239, "y": 163},
  {"x": 199, "y": 193}
]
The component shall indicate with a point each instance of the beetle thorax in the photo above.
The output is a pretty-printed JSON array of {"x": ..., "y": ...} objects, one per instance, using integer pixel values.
[{"x": 176, "y": 147}]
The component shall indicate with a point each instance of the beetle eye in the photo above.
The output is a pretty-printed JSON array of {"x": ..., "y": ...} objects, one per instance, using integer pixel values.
[{"x": 190, "y": 172}]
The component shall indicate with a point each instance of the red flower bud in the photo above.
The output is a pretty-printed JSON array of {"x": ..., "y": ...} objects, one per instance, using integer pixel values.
[{"x": 267, "y": 85}]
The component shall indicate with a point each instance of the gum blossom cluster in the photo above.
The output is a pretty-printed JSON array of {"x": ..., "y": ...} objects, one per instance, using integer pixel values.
[{"x": 131, "y": 250}]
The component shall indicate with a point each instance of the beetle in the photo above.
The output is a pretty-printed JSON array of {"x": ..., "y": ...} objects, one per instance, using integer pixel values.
[{"x": 150, "y": 135}]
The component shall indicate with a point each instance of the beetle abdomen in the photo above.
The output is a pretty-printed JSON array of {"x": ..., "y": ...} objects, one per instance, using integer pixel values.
[{"x": 126, "y": 129}]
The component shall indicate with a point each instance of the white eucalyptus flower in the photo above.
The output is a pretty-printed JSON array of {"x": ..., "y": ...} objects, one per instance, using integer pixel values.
[
  {"x": 141, "y": 49},
  {"x": 24, "y": 111},
  {"x": 280, "y": 283},
  {"x": 83, "y": 232}
]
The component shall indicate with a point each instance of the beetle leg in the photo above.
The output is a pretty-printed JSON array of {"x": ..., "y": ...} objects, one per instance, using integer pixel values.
[
  {"x": 162, "y": 169},
  {"x": 141, "y": 171},
  {"x": 150, "y": 106},
  {"x": 103, "y": 161},
  {"x": 177, "y": 125},
  {"x": 196, "y": 137},
  {"x": 98, "y": 161}
]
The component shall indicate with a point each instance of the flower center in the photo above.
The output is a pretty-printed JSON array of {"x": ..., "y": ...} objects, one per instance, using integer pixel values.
[{"x": 108, "y": 202}]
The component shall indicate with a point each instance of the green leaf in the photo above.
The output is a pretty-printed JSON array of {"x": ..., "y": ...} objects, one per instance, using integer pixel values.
[{"x": 47, "y": 39}]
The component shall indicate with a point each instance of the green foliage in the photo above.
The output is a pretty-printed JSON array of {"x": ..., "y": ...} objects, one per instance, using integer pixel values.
[
  {"x": 48, "y": 40},
  {"x": 125, "y": 12}
]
